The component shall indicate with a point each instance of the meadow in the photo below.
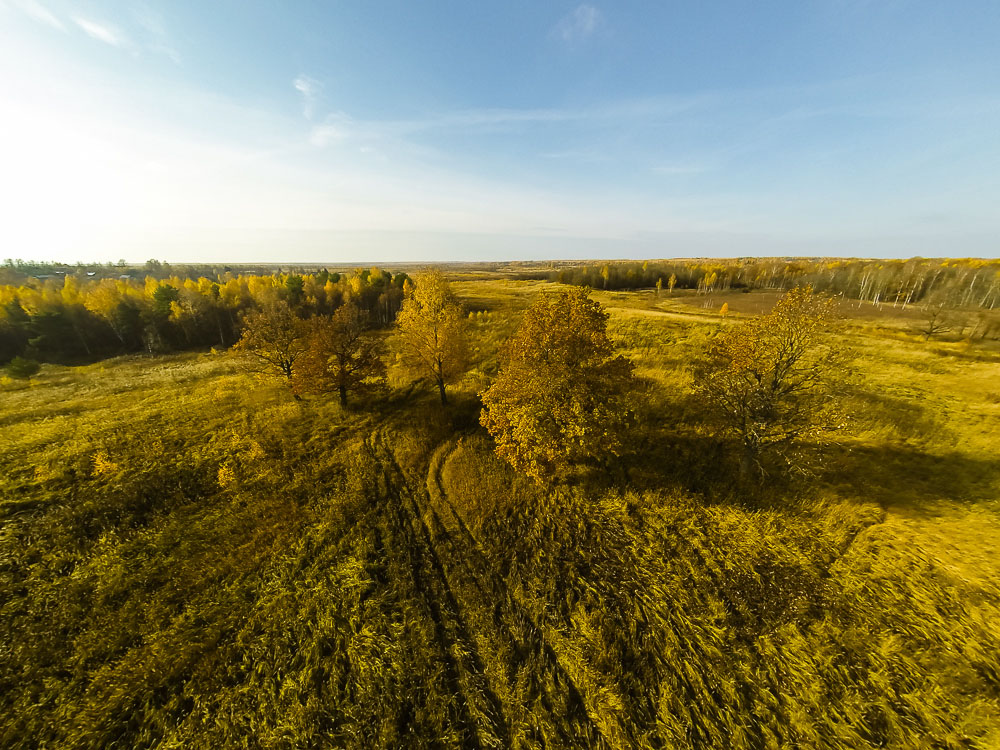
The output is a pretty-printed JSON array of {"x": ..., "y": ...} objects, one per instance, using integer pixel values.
[{"x": 191, "y": 557}]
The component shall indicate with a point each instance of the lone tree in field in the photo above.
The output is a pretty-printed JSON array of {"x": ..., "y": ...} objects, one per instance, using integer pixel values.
[
  {"x": 771, "y": 381},
  {"x": 275, "y": 337},
  {"x": 935, "y": 320},
  {"x": 432, "y": 332},
  {"x": 562, "y": 396},
  {"x": 340, "y": 356}
]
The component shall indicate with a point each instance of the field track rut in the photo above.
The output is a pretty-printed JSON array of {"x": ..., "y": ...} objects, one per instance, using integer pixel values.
[
  {"x": 458, "y": 586},
  {"x": 473, "y": 562}
]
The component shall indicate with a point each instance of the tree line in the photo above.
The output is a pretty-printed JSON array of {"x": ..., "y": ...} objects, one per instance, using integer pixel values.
[
  {"x": 340, "y": 353},
  {"x": 957, "y": 283},
  {"x": 61, "y": 313},
  {"x": 75, "y": 317},
  {"x": 18, "y": 271}
]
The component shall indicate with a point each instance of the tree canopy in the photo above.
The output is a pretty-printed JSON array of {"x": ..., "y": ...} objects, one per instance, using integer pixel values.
[
  {"x": 772, "y": 380},
  {"x": 340, "y": 356},
  {"x": 562, "y": 395},
  {"x": 432, "y": 332},
  {"x": 66, "y": 314},
  {"x": 275, "y": 338}
]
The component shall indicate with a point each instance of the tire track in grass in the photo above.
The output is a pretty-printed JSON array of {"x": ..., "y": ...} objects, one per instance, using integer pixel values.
[
  {"x": 424, "y": 589},
  {"x": 554, "y": 654},
  {"x": 550, "y": 688},
  {"x": 528, "y": 651},
  {"x": 470, "y": 662},
  {"x": 525, "y": 647},
  {"x": 694, "y": 688},
  {"x": 430, "y": 586}
]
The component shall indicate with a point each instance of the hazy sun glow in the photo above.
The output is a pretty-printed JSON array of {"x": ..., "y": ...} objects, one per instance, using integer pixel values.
[{"x": 574, "y": 131}]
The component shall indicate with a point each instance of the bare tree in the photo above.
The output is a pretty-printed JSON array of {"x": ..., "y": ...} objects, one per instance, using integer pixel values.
[{"x": 935, "y": 321}]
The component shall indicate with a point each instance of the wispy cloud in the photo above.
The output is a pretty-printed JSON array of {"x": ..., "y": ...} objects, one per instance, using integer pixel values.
[
  {"x": 336, "y": 127},
  {"x": 310, "y": 89},
  {"x": 586, "y": 156},
  {"x": 39, "y": 12},
  {"x": 105, "y": 33},
  {"x": 679, "y": 169},
  {"x": 154, "y": 32},
  {"x": 420, "y": 136},
  {"x": 490, "y": 120},
  {"x": 579, "y": 24}
]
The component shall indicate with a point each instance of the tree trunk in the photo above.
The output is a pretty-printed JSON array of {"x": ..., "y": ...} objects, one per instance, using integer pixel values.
[
  {"x": 747, "y": 461},
  {"x": 444, "y": 398},
  {"x": 83, "y": 339},
  {"x": 342, "y": 390}
]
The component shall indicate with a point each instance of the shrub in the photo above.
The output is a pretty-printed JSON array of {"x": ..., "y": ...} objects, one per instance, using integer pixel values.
[{"x": 22, "y": 368}]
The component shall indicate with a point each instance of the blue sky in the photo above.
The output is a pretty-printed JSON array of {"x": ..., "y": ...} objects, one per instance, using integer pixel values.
[{"x": 397, "y": 131}]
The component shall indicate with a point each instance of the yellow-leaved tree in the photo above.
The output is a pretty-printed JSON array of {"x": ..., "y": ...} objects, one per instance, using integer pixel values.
[
  {"x": 562, "y": 395},
  {"x": 340, "y": 356},
  {"x": 431, "y": 332},
  {"x": 774, "y": 380},
  {"x": 275, "y": 338}
]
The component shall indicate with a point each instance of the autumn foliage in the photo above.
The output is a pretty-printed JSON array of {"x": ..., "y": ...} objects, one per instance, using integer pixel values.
[
  {"x": 191, "y": 560},
  {"x": 340, "y": 356},
  {"x": 562, "y": 395},
  {"x": 275, "y": 339},
  {"x": 771, "y": 380},
  {"x": 62, "y": 314},
  {"x": 432, "y": 333}
]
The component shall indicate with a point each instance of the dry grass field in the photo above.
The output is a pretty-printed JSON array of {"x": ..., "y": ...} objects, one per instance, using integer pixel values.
[{"x": 191, "y": 558}]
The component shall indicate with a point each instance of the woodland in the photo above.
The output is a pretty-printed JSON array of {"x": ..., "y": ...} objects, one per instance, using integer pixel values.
[{"x": 751, "y": 503}]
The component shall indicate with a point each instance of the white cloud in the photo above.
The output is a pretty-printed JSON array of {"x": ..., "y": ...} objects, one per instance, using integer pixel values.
[
  {"x": 155, "y": 36},
  {"x": 96, "y": 159},
  {"x": 39, "y": 13},
  {"x": 335, "y": 128},
  {"x": 579, "y": 24},
  {"x": 493, "y": 120},
  {"x": 323, "y": 135},
  {"x": 104, "y": 33},
  {"x": 310, "y": 89}
]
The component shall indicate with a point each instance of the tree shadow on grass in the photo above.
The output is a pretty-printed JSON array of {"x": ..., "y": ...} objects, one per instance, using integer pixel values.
[
  {"x": 907, "y": 476},
  {"x": 897, "y": 474},
  {"x": 690, "y": 463}
]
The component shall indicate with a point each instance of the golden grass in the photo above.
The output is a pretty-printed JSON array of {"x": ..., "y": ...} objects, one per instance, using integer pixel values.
[{"x": 189, "y": 558}]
